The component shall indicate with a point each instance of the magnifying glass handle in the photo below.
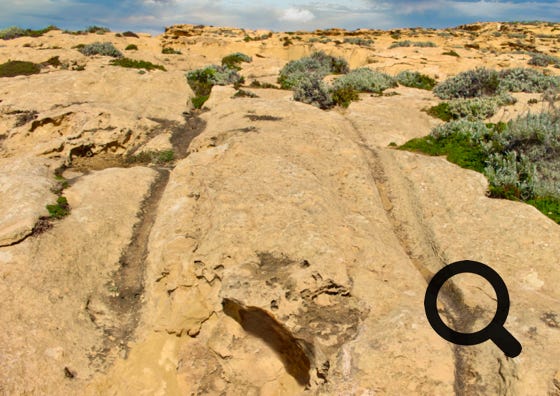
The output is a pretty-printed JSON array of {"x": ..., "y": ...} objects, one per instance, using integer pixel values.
[{"x": 507, "y": 342}]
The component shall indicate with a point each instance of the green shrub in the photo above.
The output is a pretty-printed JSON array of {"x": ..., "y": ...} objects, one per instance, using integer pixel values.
[
  {"x": 15, "y": 32},
  {"x": 233, "y": 60},
  {"x": 201, "y": 81},
  {"x": 543, "y": 60},
  {"x": 471, "y": 108},
  {"x": 170, "y": 51},
  {"x": 343, "y": 96},
  {"x": 521, "y": 159},
  {"x": 459, "y": 149},
  {"x": 441, "y": 111},
  {"x": 365, "y": 80},
  {"x": 526, "y": 80},
  {"x": 358, "y": 41},
  {"x": 198, "y": 101},
  {"x": 451, "y": 53},
  {"x": 259, "y": 84},
  {"x": 12, "y": 32},
  {"x": 53, "y": 61},
  {"x": 319, "y": 64},
  {"x": 241, "y": 93},
  {"x": 97, "y": 48},
  {"x": 136, "y": 64},
  {"x": 469, "y": 84},
  {"x": 313, "y": 91},
  {"x": 130, "y": 34},
  {"x": 97, "y": 29},
  {"x": 408, "y": 43},
  {"x": 60, "y": 209},
  {"x": 131, "y": 47},
  {"x": 416, "y": 80},
  {"x": 335, "y": 65},
  {"x": 18, "y": 68}
]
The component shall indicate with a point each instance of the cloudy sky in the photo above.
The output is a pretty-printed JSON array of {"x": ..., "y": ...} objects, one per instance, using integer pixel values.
[{"x": 153, "y": 15}]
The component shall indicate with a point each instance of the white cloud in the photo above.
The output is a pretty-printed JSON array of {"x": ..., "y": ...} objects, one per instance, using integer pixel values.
[{"x": 297, "y": 15}]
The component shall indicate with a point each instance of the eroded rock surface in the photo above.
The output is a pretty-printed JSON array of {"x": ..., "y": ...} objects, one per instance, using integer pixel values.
[{"x": 285, "y": 250}]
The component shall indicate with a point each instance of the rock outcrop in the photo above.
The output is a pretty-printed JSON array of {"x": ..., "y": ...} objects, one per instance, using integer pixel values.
[{"x": 281, "y": 250}]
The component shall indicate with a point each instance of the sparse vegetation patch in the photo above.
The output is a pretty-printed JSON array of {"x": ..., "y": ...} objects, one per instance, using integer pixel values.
[
  {"x": 366, "y": 80},
  {"x": 170, "y": 51},
  {"x": 233, "y": 61},
  {"x": 15, "y": 32},
  {"x": 136, "y": 64},
  {"x": 408, "y": 43},
  {"x": 201, "y": 81},
  {"x": 416, "y": 80},
  {"x": 19, "y": 68},
  {"x": 521, "y": 159},
  {"x": 60, "y": 209},
  {"x": 97, "y": 48},
  {"x": 316, "y": 66}
]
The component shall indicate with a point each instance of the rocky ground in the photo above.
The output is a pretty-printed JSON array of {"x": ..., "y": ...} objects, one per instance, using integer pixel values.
[{"x": 282, "y": 250}]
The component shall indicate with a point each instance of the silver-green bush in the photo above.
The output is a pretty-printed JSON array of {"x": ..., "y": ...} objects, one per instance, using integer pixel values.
[
  {"x": 318, "y": 65},
  {"x": 543, "y": 60},
  {"x": 478, "y": 108},
  {"x": 408, "y": 43},
  {"x": 365, "y": 80},
  {"x": 475, "y": 130},
  {"x": 12, "y": 32},
  {"x": 520, "y": 79},
  {"x": 469, "y": 84},
  {"x": 106, "y": 49},
  {"x": 313, "y": 91}
]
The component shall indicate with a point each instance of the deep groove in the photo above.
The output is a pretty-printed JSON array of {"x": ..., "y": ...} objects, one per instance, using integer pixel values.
[
  {"x": 128, "y": 281},
  {"x": 427, "y": 259}
]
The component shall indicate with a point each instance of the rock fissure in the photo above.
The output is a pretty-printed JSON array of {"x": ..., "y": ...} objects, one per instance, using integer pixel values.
[{"x": 427, "y": 257}]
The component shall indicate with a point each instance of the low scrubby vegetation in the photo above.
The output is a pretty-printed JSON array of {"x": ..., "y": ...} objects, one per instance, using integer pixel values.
[
  {"x": 315, "y": 66},
  {"x": 136, "y": 64},
  {"x": 19, "y": 68},
  {"x": 242, "y": 93},
  {"x": 97, "y": 29},
  {"x": 131, "y": 47},
  {"x": 451, "y": 53},
  {"x": 366, "y": 80},
  {"x": 305, "y": 76},
  {"x": 521, "y": 158},
  {"x": 170, "y": 51},
  {"x": 128, "y": 33},
  {"x": 487, "y": 82},
  {"x": 416, "y": 80},
  {"x": 234, "y": 60},
  {"x": 15, "y": 32},
  {"x": 201, "y": 81},
  {"x": 97, "y": 48},
  {"x": 544, "y": 60},
  {"x": 478, "y": 108},
  {"x": 60, "y": 209},
  {"x": 260, "y": 84},
  {"x": 408, "y": 43},
  {"x": 358, "y": 41},
  {"x": 315, "y": 92}
]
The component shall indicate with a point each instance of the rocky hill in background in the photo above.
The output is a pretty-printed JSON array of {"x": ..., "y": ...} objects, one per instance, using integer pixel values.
[{"x": 248, "y": 243}]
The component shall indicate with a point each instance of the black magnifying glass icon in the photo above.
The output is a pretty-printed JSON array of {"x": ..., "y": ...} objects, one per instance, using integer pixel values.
[{"x": 495, "y": 331}]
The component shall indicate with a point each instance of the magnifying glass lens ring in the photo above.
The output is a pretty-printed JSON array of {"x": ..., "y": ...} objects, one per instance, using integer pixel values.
[{"x": 459, "y": 267}]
